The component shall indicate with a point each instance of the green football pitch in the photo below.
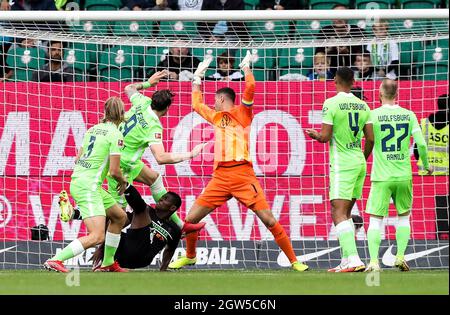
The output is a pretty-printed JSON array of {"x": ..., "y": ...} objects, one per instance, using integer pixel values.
[{"x": 224, "y": 282}]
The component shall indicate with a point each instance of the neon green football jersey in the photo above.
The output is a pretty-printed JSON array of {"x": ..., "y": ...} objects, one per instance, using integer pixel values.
[
  {"x": 142, "y": 128},
  {"x": 348, "y": 115},
  {"x": 99, "y": 142},
  {"x": 393, "y": 127}
]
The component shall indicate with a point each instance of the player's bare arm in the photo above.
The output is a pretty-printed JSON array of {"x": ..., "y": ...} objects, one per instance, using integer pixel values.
[
  {"x": 133, "y": 88},
  {"x": 167, "y": 256},
  {"x": 116, "y": 173},
  {"x": 370, "y": 139},
  {"x": 323, "y": 136},
  {"x": 162, "y": 157}
]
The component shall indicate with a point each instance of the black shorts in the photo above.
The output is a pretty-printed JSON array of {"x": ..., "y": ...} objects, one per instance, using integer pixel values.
[{"x": 135, "y": 249}]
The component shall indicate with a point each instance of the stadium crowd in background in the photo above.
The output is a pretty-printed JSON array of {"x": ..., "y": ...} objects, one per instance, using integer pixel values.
[{"x": 372, "y": 61}]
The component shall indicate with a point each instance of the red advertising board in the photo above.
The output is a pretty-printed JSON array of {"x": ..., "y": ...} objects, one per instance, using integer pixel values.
[{"x": 42, "y": 124}]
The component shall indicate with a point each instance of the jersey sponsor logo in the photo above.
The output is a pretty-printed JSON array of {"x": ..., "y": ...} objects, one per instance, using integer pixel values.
[
  {"x": 283, "y": 261},
  {"x": 225, "y": 122},
  {"x": 3, "y": 250},
  {"x": 158, "y": 135},
  {"x": 389, "y": 258}
]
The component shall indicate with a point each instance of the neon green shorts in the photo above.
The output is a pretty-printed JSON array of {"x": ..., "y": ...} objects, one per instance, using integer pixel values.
[
  {"x": 381, "y": 193},
  {"x": 130, "y": 174},
  {"x": 91, "y": 203},
  {"x": 347, "y": 184}
]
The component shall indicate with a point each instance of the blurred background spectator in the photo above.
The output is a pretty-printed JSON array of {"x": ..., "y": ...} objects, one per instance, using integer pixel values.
[
  {"x": 321, "y": 70},
  {"x": 188, "y": 4},
  {"x": 223, "y": 29},
  {"x": 162, "y": 5},
  {"x": 33, "y": 5},
  {"x": 281, "y": 4},
  {"x": 178, "y": 60},
  {"x": 56, "y": 69},
  {"x": 138, "y": 5},
  {"x": 25, "y": 43},
  {"x": 226, "y": 69},
  {"x": 384, "y": 56},
  {"x": 341, "y": 56},
  {"x": 363, "y": 67}
]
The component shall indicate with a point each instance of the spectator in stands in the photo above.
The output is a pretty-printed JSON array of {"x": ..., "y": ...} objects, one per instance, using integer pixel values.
[
  {"x": 56, "y": 69},
  {"x": 363, "y": 68},
  {"x": 341, "y": 56},
  {"x": 162, "y": 5},
  {"x": 180, "y": 63},
  {"x": 223, "y": 29},
  {"x": 184, "y": 5},
  {"x": 226, "y": 71},
  {"x": 139, "y": 5},
  {"x": 321, "y": 70},
  {"x": 384, "y": 56},
  {"x": 24, "y": 43},
  {"x": 281, "y": 5},
  {"x": 29, "y": 5}
]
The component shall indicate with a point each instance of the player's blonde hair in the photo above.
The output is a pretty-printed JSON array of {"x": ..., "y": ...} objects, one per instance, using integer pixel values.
[{"x": 114, "y": 110}]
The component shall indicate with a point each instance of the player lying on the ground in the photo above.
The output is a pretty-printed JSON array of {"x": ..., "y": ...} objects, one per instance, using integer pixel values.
[
  {"x": 233, "y": 171},
  {"x": 99, "y": 154},
  {"x": 150, "y": 232},
  {"x": 143, "y": 129},
  {"x": 391, "y": 171},
  {"x": 345, "y": 119}
]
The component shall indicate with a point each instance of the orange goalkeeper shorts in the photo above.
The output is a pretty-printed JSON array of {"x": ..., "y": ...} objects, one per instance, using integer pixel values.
[{"x": 234, "y": 179}]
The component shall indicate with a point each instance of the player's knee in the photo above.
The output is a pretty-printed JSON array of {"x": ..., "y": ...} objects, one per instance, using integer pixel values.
[{"x": 96, "y": 238}]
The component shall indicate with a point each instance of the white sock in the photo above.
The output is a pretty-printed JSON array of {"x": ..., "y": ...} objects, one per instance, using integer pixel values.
[
  {"x": 403, "y": 221},
  {"x": 112, "y": 239},
  {"x": 76, "y": 247},
  {"x": 375, "y": 223}
]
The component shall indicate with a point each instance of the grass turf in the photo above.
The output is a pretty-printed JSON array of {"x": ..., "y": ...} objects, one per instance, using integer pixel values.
[{"x": 195, "y": 282}]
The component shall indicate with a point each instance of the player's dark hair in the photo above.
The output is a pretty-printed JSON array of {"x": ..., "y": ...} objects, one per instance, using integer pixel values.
[
  {"x": 345, "y": 76},
  {"x": 175, "y": 198},
  {"x": 443, "y": 102},
  {"x": 161, "y": 100},
  {"x": 228, "y": 92}
]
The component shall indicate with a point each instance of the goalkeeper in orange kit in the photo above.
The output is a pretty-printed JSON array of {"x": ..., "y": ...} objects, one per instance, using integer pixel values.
[{"x": 233, "y": 171}]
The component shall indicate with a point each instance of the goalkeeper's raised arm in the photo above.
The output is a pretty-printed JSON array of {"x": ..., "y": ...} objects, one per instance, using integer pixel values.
[{"x": 249, "y": 91}]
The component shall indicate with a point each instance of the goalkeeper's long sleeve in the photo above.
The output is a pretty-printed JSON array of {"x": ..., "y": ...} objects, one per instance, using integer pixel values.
[
  {"x": 249, "y": 91},
  {"x": 134, "y": 199}
]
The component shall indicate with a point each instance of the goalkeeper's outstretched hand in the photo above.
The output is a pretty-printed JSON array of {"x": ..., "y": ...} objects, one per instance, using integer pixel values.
[
  {"x": 199, "y": 74},
  {"x": 245, "y": 63}
]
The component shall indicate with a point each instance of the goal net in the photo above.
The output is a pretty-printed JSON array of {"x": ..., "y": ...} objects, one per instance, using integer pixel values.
[{"x": 92, "y": 55}]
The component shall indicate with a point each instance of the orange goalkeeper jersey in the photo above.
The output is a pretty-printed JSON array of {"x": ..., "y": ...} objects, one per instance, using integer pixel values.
[{"x": 231, "y": 128}]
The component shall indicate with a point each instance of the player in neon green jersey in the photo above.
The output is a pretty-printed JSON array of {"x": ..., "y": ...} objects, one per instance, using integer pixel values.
[
  {"x": 143, "y": 129},
  {"x": 99, "y": 154},
  {"x": 391, "y": 175},
  {"x": 345, "y": 119}
]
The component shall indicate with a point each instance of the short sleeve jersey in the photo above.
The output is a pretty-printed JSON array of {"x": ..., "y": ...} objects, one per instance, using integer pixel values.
[
  {"x": 348, "y": 115},
  {"x": 141, "y": 129},
  {"x": 393, "y": 127},
  {"x": 99, "y": 142}
]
